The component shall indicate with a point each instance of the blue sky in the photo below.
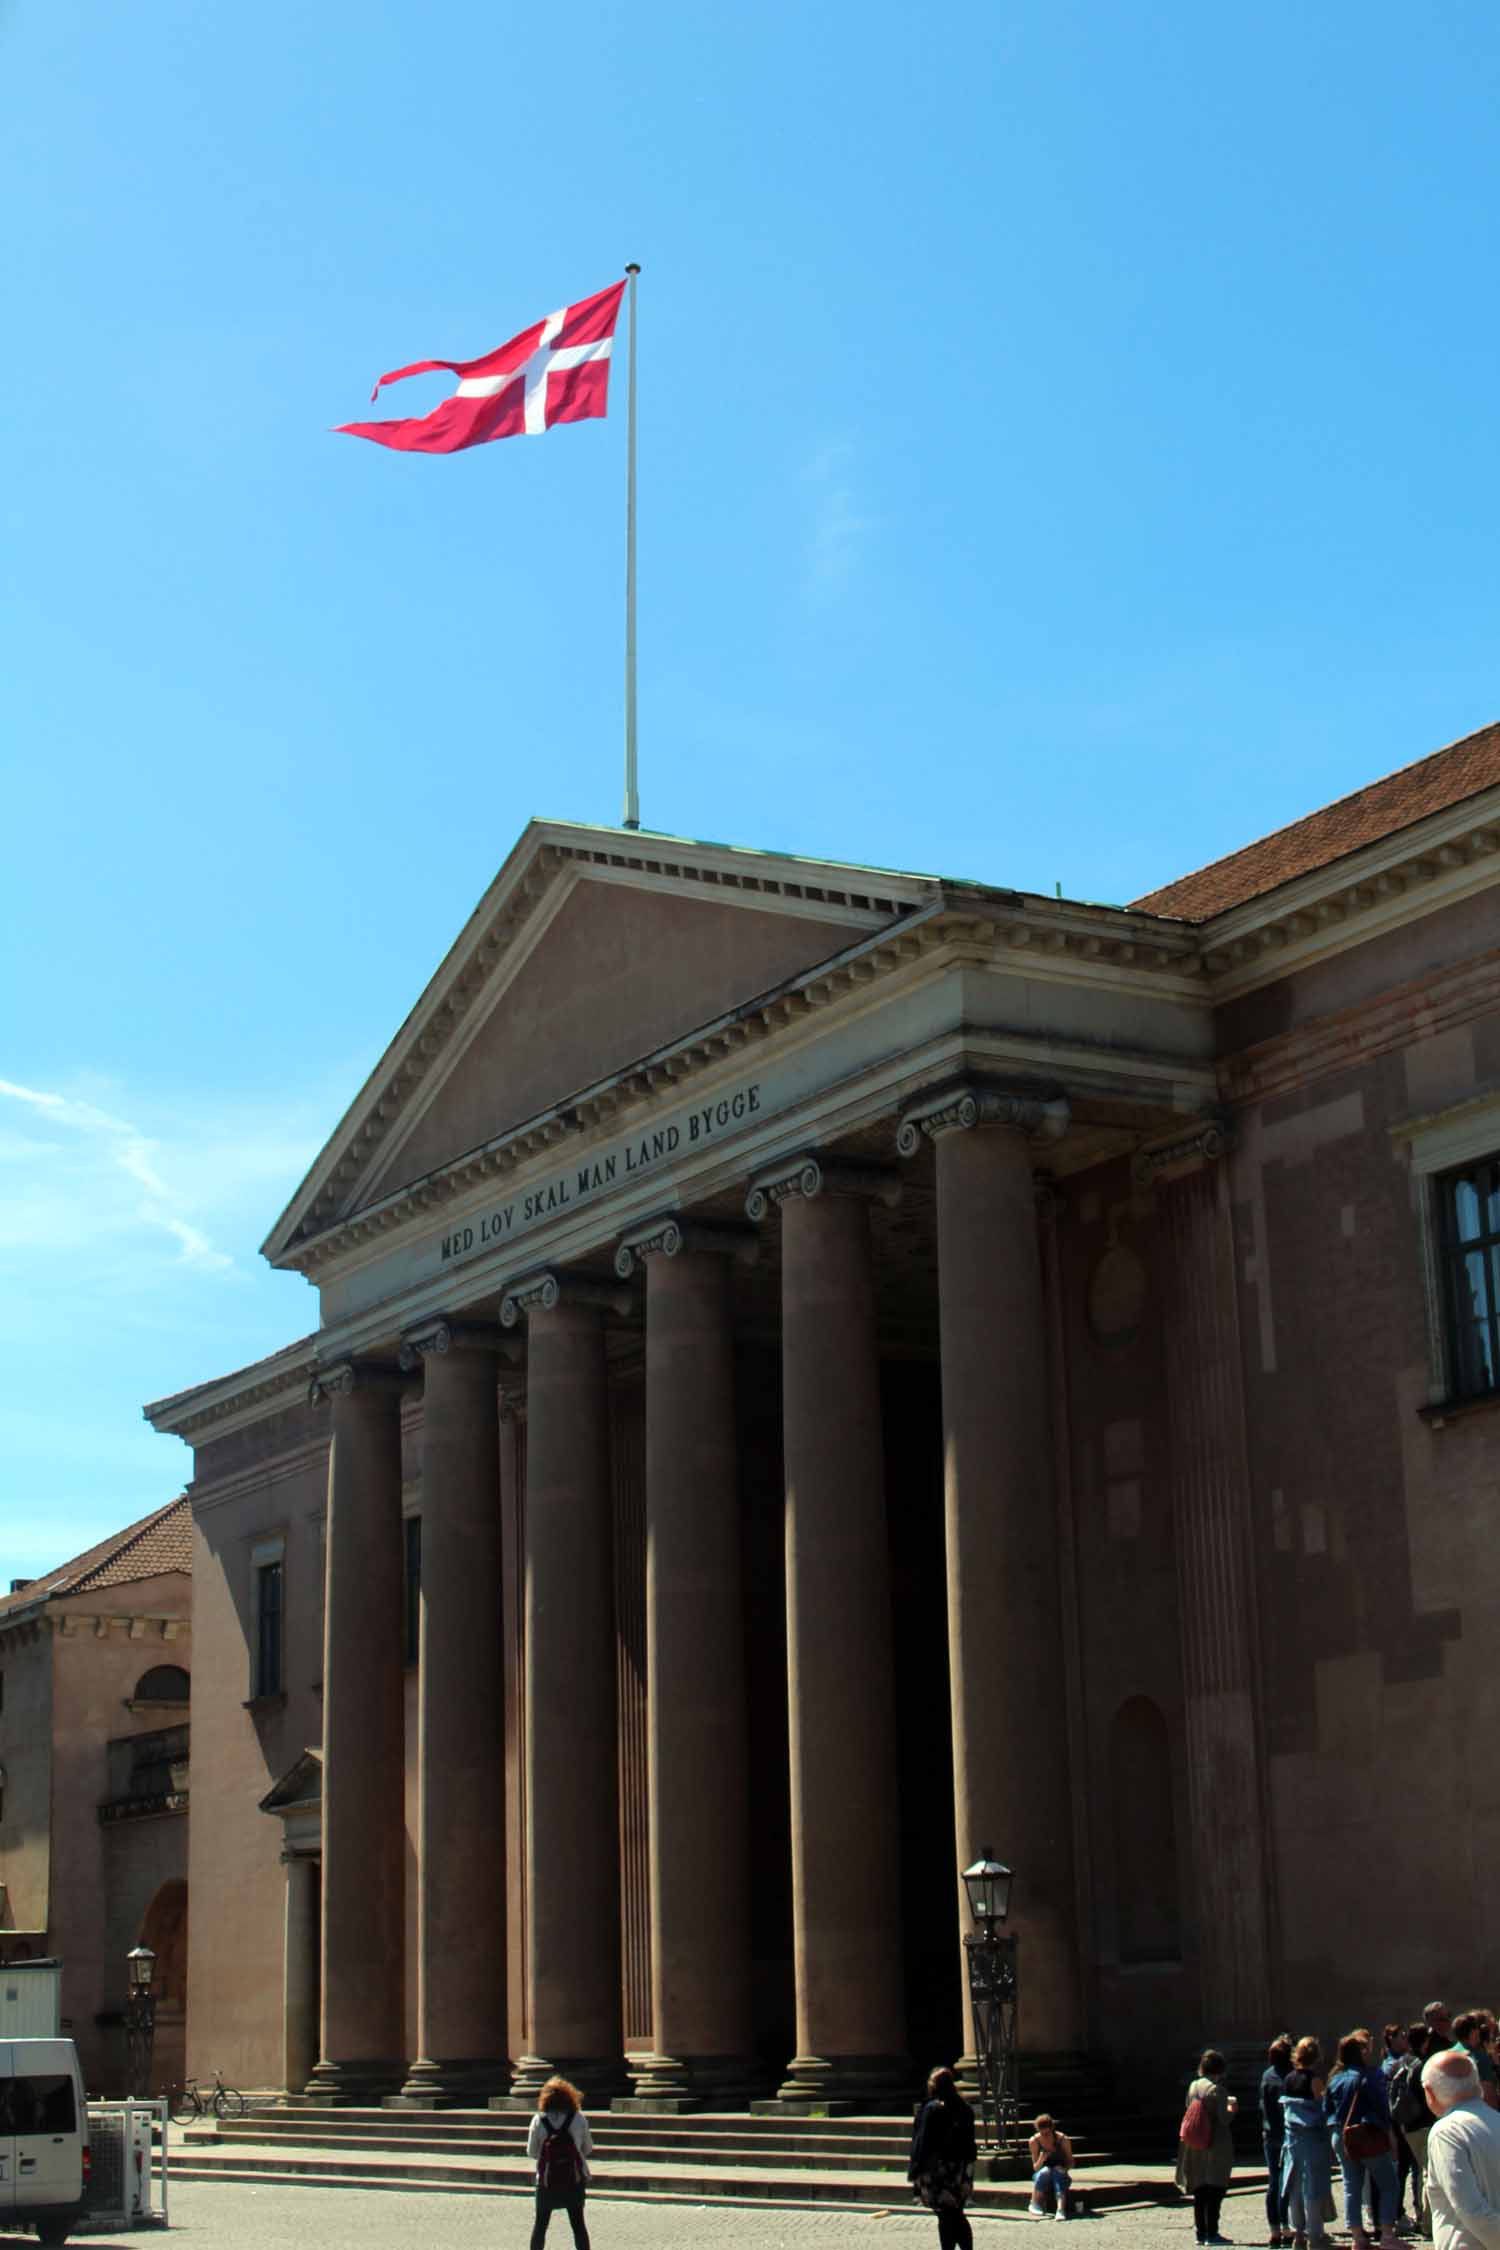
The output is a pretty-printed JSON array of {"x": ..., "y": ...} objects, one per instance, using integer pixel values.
[{"x": 1069, "y": 448}]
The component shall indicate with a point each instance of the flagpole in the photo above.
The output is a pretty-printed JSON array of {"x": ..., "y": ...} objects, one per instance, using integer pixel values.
[{"x": 632, "y": 788}]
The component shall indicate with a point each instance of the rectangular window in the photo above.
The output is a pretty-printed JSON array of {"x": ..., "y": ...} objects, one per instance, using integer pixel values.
[
  {"x": 1470, "y": 1201},
  {"x": 268, "y": 1592},
  {"x": 413, "y": 1588}
]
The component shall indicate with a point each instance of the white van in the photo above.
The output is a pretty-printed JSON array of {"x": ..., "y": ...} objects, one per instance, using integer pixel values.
[{"x": 44, "y": 2137}]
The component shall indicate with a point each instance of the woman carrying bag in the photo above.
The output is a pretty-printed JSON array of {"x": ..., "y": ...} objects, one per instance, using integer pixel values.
[
  {"x": 1205, "y": 2144},
  {"x": 1357, "y": 2105}
]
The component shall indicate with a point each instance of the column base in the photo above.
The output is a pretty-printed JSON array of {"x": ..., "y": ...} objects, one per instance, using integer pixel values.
[
  {"x": 672, "y": 2083},
  {"x": 448, "y": 2085},
  {"x": 597, "y": 2077},
  {"x": 832, "y": 2085},
  {"x": 356, "y": 2085}
]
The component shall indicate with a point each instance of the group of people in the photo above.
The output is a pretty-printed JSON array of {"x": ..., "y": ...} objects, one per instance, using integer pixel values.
[
  {"x": 943, "y": 2152},
  {"x": 1424, "y": 2110}
]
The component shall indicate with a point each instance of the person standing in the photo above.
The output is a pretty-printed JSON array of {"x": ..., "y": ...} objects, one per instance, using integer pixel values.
[
  {"x": 1358, "y": 2110},
  {"x": 1412, "y": 2120},
  {"x": 1307, "y": 2165},
  {"x": 1463, "y": 2156},
  {"x": 1273, "y": 2135},
  {"x": 1205, "y": 2144},
  {"x": 943, "y": 2153},
  {"x": 560, "y": 2145},
  {"x": 1470, "y": 2031}
]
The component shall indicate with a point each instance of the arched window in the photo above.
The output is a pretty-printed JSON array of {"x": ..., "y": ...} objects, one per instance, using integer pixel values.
[
  {"x": 1140, "y": 1773},
  {"x": 164, "y": 1683}
]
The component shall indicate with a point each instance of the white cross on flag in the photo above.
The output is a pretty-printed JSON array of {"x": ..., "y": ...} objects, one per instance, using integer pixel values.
[{"x": 556, "y": 371}]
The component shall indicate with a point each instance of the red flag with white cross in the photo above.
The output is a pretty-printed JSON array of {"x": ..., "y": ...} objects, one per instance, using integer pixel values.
[{"x": 555, "y": 371}]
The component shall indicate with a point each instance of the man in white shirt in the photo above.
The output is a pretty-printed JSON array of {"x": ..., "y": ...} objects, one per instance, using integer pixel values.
[{"x": 1463, "y": 2155}]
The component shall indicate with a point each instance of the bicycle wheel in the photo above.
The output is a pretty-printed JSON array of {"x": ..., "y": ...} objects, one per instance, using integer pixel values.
[
  {"x": 184, "y": 2107},
  {"x": 227, "y": 2103}
]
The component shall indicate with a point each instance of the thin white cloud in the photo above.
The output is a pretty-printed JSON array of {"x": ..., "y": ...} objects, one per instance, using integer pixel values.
[
  {"x": 70, "y": 1164},
  {"x": 838, "y": 526}
]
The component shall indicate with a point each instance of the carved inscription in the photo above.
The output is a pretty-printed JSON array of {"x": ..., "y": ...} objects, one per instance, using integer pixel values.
[{"x": 579, "y": 1183}]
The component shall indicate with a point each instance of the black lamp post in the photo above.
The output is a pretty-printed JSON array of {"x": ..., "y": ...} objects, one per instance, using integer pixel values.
[
  {"x": 140, "y": 2017},
  {"x": 991, "y": 1955}
]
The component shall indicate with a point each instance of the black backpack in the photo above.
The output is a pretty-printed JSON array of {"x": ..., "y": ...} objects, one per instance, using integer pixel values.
[{"x": 1408, "y": 2102}]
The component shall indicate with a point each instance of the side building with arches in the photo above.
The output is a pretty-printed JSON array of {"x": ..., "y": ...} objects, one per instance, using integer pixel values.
[{"x": 95, "y": 1686}]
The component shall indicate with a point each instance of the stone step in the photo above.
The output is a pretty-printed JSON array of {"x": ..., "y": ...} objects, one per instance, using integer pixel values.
[
  {"x": 862, "y": 2187},
  {"x": 808, "y": 2156}
]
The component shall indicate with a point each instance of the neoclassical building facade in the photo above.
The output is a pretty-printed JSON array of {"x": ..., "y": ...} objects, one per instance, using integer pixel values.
[{"x": 821, "y": 1372}]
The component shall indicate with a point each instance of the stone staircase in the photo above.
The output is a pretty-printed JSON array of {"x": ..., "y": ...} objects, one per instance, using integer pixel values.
[{"x": 703, "y": 2156}]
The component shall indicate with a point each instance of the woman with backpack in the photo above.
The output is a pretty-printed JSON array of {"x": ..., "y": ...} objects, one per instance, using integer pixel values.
[
  {"x": 1205, "y": 2144},
  {"x": 560, "y": 2145},
  {"x": 1307, "y": 2166},
  {"x": 1357, "y": 2106},
  {"x": 943, "y": 2151}
]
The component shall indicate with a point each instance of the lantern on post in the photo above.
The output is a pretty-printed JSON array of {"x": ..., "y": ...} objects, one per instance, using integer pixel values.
[
  {"x": 990, "y": 1953},
  {"x": 140, "y": 2017}
]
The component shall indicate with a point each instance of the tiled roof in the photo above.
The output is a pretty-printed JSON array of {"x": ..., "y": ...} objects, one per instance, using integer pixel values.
[
  {"x": 160, "y": 1542},
  {"x": 1431, "y": 785}
]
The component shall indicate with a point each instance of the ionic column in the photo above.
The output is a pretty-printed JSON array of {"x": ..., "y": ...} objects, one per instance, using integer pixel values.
[
  {"x": 364, "y": 1834},
  {"x": 572, "y": 1949},
  {"x": 461, "y": 2028},
  {"x": 1010, "y": 1779},
  {"x": 846, "y": 1906},
  {"x": 299, "y": 1970},
  {"x": 1217, "y": 1606},
  {"x": 695, "y": 1670}
]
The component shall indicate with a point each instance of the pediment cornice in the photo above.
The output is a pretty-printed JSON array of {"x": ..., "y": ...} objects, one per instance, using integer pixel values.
[{"x": 549, "y": 859}]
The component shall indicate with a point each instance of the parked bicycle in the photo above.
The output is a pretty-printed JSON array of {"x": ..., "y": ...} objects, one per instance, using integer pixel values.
[{"x": 193, "y": 2101}]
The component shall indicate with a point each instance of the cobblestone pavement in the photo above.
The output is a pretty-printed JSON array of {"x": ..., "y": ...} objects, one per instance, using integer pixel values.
[{"x": 235, "y": 2215}]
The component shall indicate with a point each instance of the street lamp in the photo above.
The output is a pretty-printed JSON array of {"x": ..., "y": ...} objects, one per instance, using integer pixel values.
[
  {"x": 140, "y": 2017},
  {"x": 991, "y": 1955}
]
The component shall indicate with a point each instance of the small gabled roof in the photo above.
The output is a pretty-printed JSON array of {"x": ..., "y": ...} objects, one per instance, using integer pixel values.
[
  {"x": 158, "y": 1543},
  {"x": 1446, "y": 777}
]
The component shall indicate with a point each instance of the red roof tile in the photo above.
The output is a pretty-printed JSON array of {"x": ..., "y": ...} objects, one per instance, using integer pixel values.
[
  {"x": 1379, "y": 809},
  {"x": 162, "y": 1541}
]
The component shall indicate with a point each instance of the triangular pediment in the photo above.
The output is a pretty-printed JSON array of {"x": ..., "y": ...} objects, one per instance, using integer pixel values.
[
  {"x": 591, "y": 949},
  {"x": 300, "y": 1786}
]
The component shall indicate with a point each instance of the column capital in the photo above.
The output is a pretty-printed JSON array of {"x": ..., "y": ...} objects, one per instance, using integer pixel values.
[
  {"x": 545, "y": 1291},
  {"x": 812, "y": 1174},
  {"x": 670, "y": 1235},
  {"x": 434, "y": 1338},
  {"x": 1203, "y": 1141},
  {"x": 341, "y": 1376},
  {"x": 967, "y": 1102}
]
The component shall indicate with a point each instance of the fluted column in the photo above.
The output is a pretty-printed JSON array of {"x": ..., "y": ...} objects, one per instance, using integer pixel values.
[
  {"x": 1010, "y": 1784},
  {"x": 695, "y": 1669},
  {"x": 1217, "y": 1605},
  {"x": 364, "y": 1829},
  {"x": 461, "y": 2026},
  {"x": 572, "y": 1948},
  {"x": 846, "y": 1906}
]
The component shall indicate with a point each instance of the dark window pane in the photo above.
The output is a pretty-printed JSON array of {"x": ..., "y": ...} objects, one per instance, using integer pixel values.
[
  {"x": 43, "y": 2105},
  {"x": 1476, "y": 1284},
  {"x": 1465, "y": 1210},
  {"x": 1492, "y": 1199},
  {"x": 268, "y": 1648}
]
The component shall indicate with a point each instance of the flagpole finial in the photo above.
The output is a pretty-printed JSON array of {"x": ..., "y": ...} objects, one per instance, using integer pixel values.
[{"x": 631, "y": 266}]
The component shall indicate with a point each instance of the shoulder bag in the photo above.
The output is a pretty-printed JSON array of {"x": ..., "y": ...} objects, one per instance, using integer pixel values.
[{"x": 1366, "y": 2141}]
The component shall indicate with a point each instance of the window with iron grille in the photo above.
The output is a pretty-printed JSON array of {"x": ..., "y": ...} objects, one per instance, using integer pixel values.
[
  {"x": 268, "y": 1636},
  {"x": 1470, "y": 1203}
]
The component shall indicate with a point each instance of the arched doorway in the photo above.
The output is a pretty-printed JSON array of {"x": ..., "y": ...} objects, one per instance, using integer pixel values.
[{"x": 164, "y": 1927}]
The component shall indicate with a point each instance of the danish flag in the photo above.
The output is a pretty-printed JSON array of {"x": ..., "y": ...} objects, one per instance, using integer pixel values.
[{"x": 555, "y": 371}]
